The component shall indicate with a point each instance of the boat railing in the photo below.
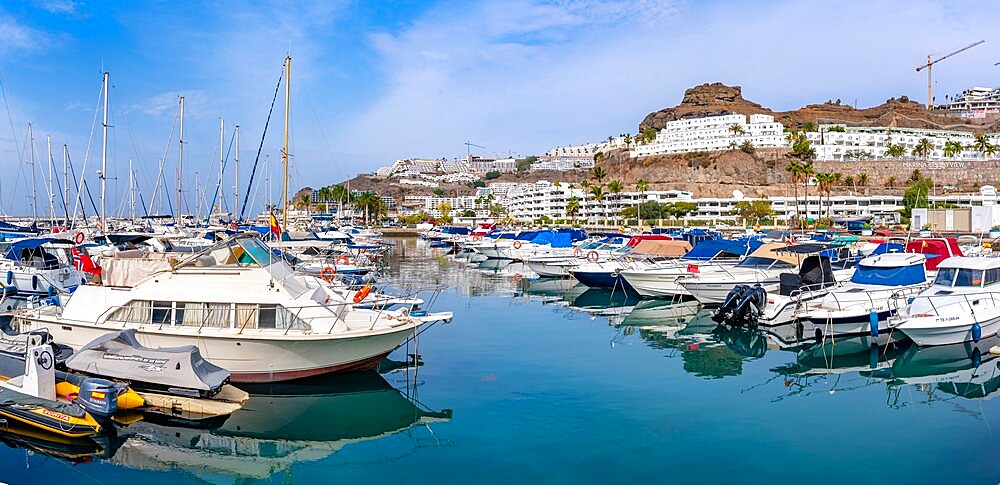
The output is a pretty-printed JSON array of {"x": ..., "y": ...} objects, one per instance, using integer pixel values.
[
  {"x": 896, "y": 296},
  {"x": 966, "y": 302}
]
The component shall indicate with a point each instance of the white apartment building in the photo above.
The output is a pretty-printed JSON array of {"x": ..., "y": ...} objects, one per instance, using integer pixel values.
[
  {"x": 484, "y": 165},
  {"x": 975, "y": 102},
  {"x": 856, "y": 142},
  {"x": 416, "y": 166},
  {"x": 588, "y": 150},
  {"x": 712, "y": 133},
  {"x": 563, "y": 163}
]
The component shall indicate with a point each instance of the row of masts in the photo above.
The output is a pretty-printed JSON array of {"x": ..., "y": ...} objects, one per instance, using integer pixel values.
[{"x": 132, "y": 179}]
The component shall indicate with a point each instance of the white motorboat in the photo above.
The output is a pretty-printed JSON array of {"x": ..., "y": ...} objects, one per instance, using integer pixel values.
[
  {"x": 763, "y": 267},
  {"x": 880, "y": 285},
  {"x": 661, "y": 279},
  {"x": 962, "y": 305},
  {"x": 242, "y": 306},
  {"x": 42, "y": 266}
]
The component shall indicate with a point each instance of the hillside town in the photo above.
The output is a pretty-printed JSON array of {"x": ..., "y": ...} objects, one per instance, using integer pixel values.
[{"x": 587, "y": 183}]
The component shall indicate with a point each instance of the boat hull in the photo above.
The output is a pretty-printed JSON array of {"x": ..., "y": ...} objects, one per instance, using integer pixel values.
[{"x": 255, "y": 358}]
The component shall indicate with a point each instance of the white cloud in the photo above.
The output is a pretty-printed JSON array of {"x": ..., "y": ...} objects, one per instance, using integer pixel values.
[
  {"x": 17, "y": 38},
  {"x": 67, "y": 7}
]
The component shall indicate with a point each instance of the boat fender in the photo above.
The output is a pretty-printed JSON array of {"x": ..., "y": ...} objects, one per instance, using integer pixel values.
[
  {"x": 578, "y": 252},
  {"x": 362, "y": 293},
  {"x": 977, "y": 358},
  {"x": 52, "y": 291},
  {"x": 78, "y": 239},
  {"x": 592, "y": 256},
  {"x": 873, "y": 323},
  {"x": 327, "y": 274},
  {"x": 10, "y": 277},
  {"x": 34, "y": 282},
  {"x": 873, "y": 356},
  {"x": 977, "y": 332},
  {"x": 517, "y": 244}
]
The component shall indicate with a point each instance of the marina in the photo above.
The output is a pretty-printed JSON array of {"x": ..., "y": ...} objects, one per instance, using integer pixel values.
[{"x": 554, "y": 389}]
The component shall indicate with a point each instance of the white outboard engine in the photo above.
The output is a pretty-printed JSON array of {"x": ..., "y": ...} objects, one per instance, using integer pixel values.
[{"x": 99, "y": 397}]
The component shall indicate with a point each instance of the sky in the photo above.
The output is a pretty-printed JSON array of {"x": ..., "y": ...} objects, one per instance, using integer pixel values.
[{"x": 373, "y": 82}]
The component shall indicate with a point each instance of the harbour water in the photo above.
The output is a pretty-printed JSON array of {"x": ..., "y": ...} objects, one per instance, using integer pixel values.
[{"x": 546, "y": 381}]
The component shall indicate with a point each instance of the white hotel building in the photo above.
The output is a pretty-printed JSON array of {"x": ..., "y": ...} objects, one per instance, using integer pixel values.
[
  {"x": 857, "y": 142},
  {"x": 712, "y": 133}
]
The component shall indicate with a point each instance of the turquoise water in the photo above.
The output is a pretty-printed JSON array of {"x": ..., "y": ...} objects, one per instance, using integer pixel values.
[{"x": 548, "y": 382}]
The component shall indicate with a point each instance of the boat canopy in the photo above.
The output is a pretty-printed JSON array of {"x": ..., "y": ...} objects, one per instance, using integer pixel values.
[
  {"x": 561, "y": 240},
  {"x": 775, "y": 251},
  {"x": 30, "y": 249},
  {"x": 663, "y": 248},
  {"x": 712, "y": 248},
  {"x": 936, "y": 249},
  {"x": 888, "y": 247},
  {"x": 879, "y": 271},
  {"x": 542, "y": 238}
]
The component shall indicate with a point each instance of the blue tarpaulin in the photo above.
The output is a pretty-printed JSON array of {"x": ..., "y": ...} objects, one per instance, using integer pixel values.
[{"x": 892, "y": 276}]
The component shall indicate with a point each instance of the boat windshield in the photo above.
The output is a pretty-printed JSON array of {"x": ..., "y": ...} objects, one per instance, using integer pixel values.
[
  {"x": 958, "y": 277},
  {"x": 759, "y": 262},
  {"x": 256, "y": 250}
]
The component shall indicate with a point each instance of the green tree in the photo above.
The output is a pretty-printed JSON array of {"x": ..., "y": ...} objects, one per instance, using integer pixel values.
[
  {"x": 753, "y": 210},
  {"x": 736, "y": 129},
  {"x": 895, "y": 151},
  {"x": 628, "y": 141},
  {"x": 598, "y": 174},
  {"x": 438, "y": 192},
  {"x": 747, "y": 147},
  {"x": 371, "y": 204},
  {"x": 615, "y": 188},
  {"x": 794, "y": 169},
  {"x": 680, "y": 209},
  {"x": 642, "y": 185},
  {"x": 807, "y": 173},
  {"x": 648, "y": 135},
  {"x": 598, "y": 192},
  {"x": 808, "y": 126},
  {"x": 923, "y": 148},
  {"x": 982, "y": 145},
  {"x": 890, "y": 182},
  {"x": 573, "y": 207},
  {"x": 952, "y": 148},
  {"x": 468, "y": 213},
  {"x": 492, "y": 174},
  {"x": 916, "y": 195}
]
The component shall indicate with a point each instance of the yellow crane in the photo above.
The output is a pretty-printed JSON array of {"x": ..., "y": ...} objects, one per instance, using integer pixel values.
[{"x": 930, "y": 97}]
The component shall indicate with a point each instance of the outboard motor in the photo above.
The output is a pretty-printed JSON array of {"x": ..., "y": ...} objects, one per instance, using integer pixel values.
[
  {"x": 99, "y": 397},
  {"x": 724, "y": 312},
  {"x": 750, "y": 306}
]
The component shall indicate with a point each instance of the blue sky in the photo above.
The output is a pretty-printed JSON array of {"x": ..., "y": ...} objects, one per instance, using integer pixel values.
[{"x": 373, "y": 82}]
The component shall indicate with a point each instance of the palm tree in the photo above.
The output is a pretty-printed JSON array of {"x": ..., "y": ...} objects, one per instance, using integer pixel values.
[
  {"x": 305, "y": 199},
  {"x": 807, "y": 172},
  {"x": 615, "y": 187},
  {"x": 642, "y": 185},
  {"x": 824, "y": 182},
  {"x": 736, "y": 129},
  {"x": 597, "y": 173},
  {"x": 584, "y": 183},
  {"x": 794, "y": 169},
  {"x": 923, "y": 147},
  {"x": 983, "y": 145},
  {"x": 573, "y": 207},
  {"x": 890, "y": 182},
  {"x": 895, "y": 151},
  {"x": 628, "y": 141},
  {"x": 598, "y": 192},
  {"x": 863, "y": 179},
  {"x": 952, "y": 148}
]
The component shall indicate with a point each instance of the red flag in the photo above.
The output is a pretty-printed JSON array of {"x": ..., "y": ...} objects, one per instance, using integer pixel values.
[
  {"x": 82, "y": 262},
  {"x": 275, "y": 228},
  {"x": 692, "y": 268}
]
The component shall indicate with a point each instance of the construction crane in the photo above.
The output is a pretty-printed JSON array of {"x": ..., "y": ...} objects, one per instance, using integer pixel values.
[
  {"x": 468, "y": 150},
  {"x": 930, "y": 97}
]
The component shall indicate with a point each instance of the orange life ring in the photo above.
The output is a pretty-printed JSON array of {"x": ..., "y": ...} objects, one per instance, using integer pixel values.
[
  {"x": 578, "y": 252},
  {"x": 592, "y": 256},
  {"x": 78, "y": 239},
  {"x": 477, "y": 237},
  {"x": 362, "y": 293},
  {"x": 517, "y": 278},
  {"x": 327, "y": 274},
  {"x": 342, "y": 260},
  {"x": 517, "y": 244}
]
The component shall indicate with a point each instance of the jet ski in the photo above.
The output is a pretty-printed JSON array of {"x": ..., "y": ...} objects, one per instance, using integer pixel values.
[{"x": 178, "y": 371}]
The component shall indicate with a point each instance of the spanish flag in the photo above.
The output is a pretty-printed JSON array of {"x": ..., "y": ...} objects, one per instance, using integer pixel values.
[
  {"x": 275, "y": 228},
  {"x": 97, "y": 395}
]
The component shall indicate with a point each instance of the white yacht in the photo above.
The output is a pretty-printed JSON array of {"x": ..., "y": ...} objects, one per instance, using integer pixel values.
[
  {"x": 880, "y": 285},
  {"x": 763, "y": 267},
  {"x": 41, "y": 266},
  {"x": 962, "y": 305},
  {"x": 245, "y": 308}
]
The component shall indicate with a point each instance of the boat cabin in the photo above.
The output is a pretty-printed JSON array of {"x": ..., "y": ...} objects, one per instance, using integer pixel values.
[{"x": 964, "y": 272}]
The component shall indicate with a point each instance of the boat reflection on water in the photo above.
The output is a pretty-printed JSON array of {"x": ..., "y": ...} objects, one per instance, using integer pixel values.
[
  {"x": 281, "y": 425},
  {"x": 966, "y": 370},
  {"x": 603, "y": 301},
  {"x": 550, "y": 290}
]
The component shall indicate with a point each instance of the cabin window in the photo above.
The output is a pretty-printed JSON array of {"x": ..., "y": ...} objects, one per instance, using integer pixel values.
[
  {"x": 161, "y": 312},
  {"x": 133, "y": 312},
  {"x": 267, "y": 317},
  {"x": 959, "y": 277},
  {"x": 992, "y": 276},
  {"x": 246, "y": 315}
]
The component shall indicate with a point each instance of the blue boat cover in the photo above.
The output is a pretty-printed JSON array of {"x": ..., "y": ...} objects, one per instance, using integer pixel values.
[
  {"x": 898, "y": 276},
  {"x": 561, "y": 240},
  {"x": 542, "y": 238},
  {"x": 709, "y": 248},
  {"x": 16, "y": 248},
  {"x": 888, "y": 248}
]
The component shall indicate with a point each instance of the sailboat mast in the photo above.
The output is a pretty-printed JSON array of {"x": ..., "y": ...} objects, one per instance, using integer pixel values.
[
  {"x": 31, "y": 161},
  {"x": 236, "y": 186},
  {"x": 222, "y": 161},
  {"x": 284, "y": 150},
  {"x": 131, "y": 189},
  {"x": 52, "y": 195},
  {"x": 104, "y": 154},
  {"x": 66, "y": 183},
  {"x": 180, "y": 161}
]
